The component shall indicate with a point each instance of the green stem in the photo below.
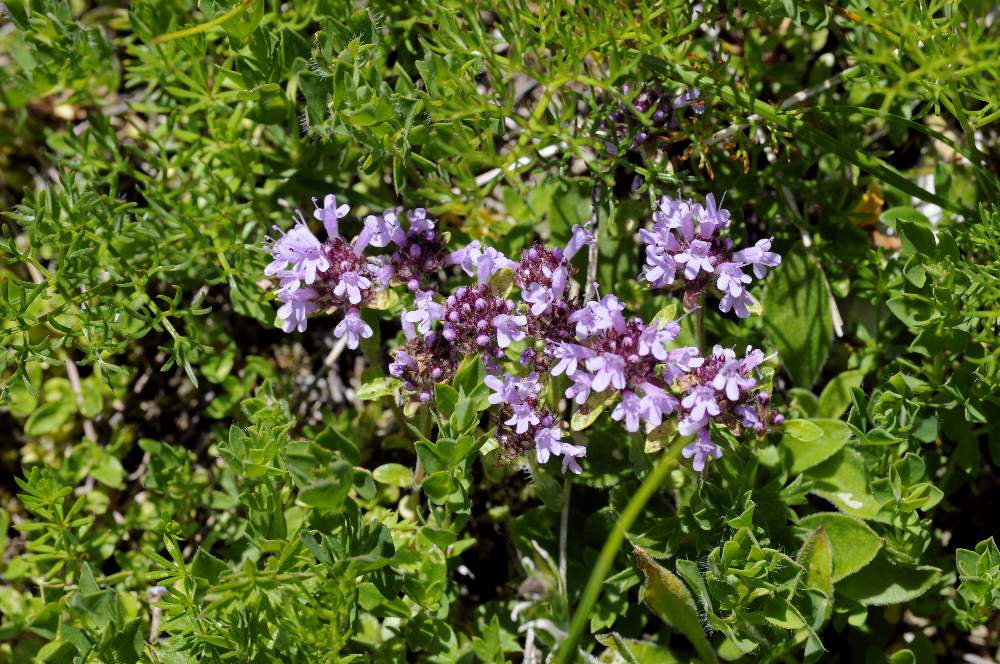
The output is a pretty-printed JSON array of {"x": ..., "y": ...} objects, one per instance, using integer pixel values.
[
  {"x": 592, "y": 591},
  {"x": 203, "y": 27}
]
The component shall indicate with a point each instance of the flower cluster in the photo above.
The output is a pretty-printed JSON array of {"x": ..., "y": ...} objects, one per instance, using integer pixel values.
[
  {"x": 721, "y": 389},
  {"x": 336, "y": 274},
  {"x": 624, "y": 364},
  {"x": 629, "y": 357},
  {"x": 524, "y": 423},
  {"x": 686, "y": 249},
  {"x": 623, "y": 126}
]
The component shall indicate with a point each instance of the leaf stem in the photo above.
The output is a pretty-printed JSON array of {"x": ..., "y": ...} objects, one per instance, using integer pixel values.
[
  {"x": 592, "y": 591},
  {"x": 202, "y": 27}
]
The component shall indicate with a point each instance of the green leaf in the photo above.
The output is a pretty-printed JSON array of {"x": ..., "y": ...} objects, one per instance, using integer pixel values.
[
  {"x": 853, "y": 542},
  {"x": 378, "y": 388},
  {"x": 885, "y": 582},
  {"x": 669, "y": 598},
  {"x": 808, "y": 452},
  {"x": 816, "y": 557},
  {"x": 393, "y": 473},
  {"x": 843, "y": 480},
  {"x": 588, "y": 413},
  {"x": 445, "y": 397},
  {"x": 328, "y": 493},
  {"x": 836, "y": 396},
  {"x": 48, "y": 418},
  {"x": 797, "y": 316}
]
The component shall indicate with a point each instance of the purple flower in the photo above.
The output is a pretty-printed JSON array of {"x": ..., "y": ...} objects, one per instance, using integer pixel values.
[
  {"x": 426, "y": 313},
  {"x": 660, "y": 268},
  {"x": 300, "y": 249},
  {"x": 700, "y": 402},
  {"x": 581, "y": 237},
  {"x": 759, "y": 256},
  {"x": 681, "y": 361},
  {"x": 401, "y": 363},
  {"x": 419, "y": 221},
  {"x": 657, "y": 403},
  {"x": 702, "y": 450},
  {"x": 505, "y": 390},
  {"x": 731, "y": 382},
  {"x": 351, "y": 283},
  {"x": 579, "y": 391},
  {"x": 654, "y": 339},
  {"x": 524, "y": 416},
  {"x": 479, "y": 262},
  {"x": 570, "y": 454},
  {"x": 731, "y": 279},
  {"x": 509, "y": 328},
  {"x": 352, "y": 327},
  {"x": 710, "y": 217},
  {"x": 608, "y": 369},
  {"x": 330, "y": 214},
  {"x": 754, "y": 358},
  {"x": 547, "y": 442},
  {"x": 687, "y": 98},
  {"x": 298, "y": 304},
  {"x": 748, "y": 418},
  {"x": 539, "y": 297},
  {"x": 740, "y": 305},
  {"x": 380, "y": 231},
  {"x": 597, "y": 316},
  {"x": 569, "y": 355},
  {"x": 629, "y": 410},
  {"x": 696, "y": 257}
]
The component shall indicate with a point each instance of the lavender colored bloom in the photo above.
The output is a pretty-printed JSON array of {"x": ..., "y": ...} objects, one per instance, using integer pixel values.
[
  {"x": 582, "y": 385},
  {"x": 700, "y": 402},
  {"x": 748, "y": 418},
  {"x": 505, "y": 390},
  {"x": 687, "y": 98},
  {"x": 597, "y": 316},
  {"x": 754, "y": 358},
  {"x": 695, "y": 258},
  {"x": 580, "y": 238},
  {"x": 730, "y": 381},
  {"x": 401, "y": 363},
  {"x": 426, "y": 313},
  {"x": 701, "y": 450},
  {"x": 380, "y": 231},
  {"x": 419, "y": 221},
  {"x": 629, "y": 411},
  {"x": 478, "y": 261},
  {"x": 657, "y": 403},
  {"x": 352, "y": 327},
  {"x": 731, "y": 279},
  {"x": 298, "y": 304},
  {"x": 524, "y": 416},
  {"x": 570, "y": 454},
  {"x": 739, "y": 305},
  {"x": 759, "y": 256},
  {"x": 351, "y": 283},
  {"x": 547, "y": 442},
  {"x": 655, "y": 338},
  {"x": 568, "y": 354},
  {"x": 660, "y": 268},
  {"x": 300, "y": 249},
  {"x": 330, "y": 214},
  {"x": 539, "y": 297},
  {"x": 681, "y": 361},
  {"x": 608, "y": 369},
  {"x": 710, "y": 217},
  {"x": 509, "y": 328}
]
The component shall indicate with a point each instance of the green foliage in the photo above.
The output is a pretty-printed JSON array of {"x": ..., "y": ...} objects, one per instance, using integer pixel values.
[{"x": 186, "y": 483}]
